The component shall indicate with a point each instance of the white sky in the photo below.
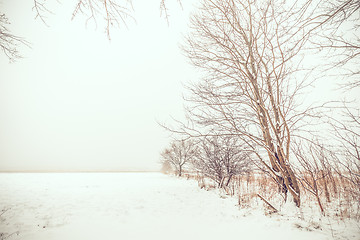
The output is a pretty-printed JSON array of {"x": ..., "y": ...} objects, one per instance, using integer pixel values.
[{"x": 79, "y": 102}]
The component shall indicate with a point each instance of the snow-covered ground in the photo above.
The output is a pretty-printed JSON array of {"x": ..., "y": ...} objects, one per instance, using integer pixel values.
[{"x": 140, "y": 206}]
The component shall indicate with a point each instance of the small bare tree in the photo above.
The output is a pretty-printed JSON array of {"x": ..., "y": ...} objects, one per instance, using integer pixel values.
[
  {"x": 179, "y": 154},
  {"x": 220, "y": 158}
]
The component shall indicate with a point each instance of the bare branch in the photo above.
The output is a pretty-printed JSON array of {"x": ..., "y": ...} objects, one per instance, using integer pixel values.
[
  {"x": 113, "y": 13},
  {"x": 10, "y": 42},
  {"x": 41, "y": 10}
]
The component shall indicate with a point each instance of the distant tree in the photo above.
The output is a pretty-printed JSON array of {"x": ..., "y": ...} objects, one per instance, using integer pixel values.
[
  {"x": 179, "y": 154},
  {"x": 166, "y": 167}
]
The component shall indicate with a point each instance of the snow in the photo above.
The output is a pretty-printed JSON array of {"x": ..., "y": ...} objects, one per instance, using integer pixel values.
[{"x": 137, "y": 206}]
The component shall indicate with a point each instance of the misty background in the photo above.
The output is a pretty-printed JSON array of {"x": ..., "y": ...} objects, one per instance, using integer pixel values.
[{"x": 79, "y": 102}]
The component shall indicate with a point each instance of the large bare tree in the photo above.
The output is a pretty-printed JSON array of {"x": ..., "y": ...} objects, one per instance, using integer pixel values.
[{"x": 247, "y": 52}]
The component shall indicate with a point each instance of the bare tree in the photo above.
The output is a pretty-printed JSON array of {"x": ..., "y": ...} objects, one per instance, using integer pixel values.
[
  {"x": 247, "y": 50},
  {"x": 208, "y": 161},
  {"x": 220, "y": 158},
  {"x": 179, "y": 154}
]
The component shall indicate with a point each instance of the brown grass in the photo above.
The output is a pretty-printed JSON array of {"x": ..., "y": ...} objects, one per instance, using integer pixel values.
[{"x": 337, "y": 194}]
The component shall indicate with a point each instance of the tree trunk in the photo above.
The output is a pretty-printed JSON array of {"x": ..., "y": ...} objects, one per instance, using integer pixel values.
[
  {"x": 290, "y": 179},
  {"x": 228, "y": 181}
]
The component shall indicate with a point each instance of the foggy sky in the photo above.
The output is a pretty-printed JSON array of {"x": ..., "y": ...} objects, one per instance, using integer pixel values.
[{"x": 77, "y": 102}]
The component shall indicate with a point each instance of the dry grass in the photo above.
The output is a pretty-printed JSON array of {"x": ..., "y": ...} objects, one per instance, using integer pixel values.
[{"x": 337, "y": 195}]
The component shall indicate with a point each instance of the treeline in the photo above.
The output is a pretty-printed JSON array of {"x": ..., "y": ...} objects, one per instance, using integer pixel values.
[{"x": 325, "y": 178}]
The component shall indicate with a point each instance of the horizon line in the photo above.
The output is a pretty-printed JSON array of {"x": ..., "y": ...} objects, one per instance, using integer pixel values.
[{"x": 81, "y": 171}]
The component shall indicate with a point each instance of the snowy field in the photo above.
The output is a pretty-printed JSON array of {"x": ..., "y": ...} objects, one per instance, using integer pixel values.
[{"x": 139, "y": 206}]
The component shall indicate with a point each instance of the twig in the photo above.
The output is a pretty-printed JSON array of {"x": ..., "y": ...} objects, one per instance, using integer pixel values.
[{"x": 271, "y": 206}]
